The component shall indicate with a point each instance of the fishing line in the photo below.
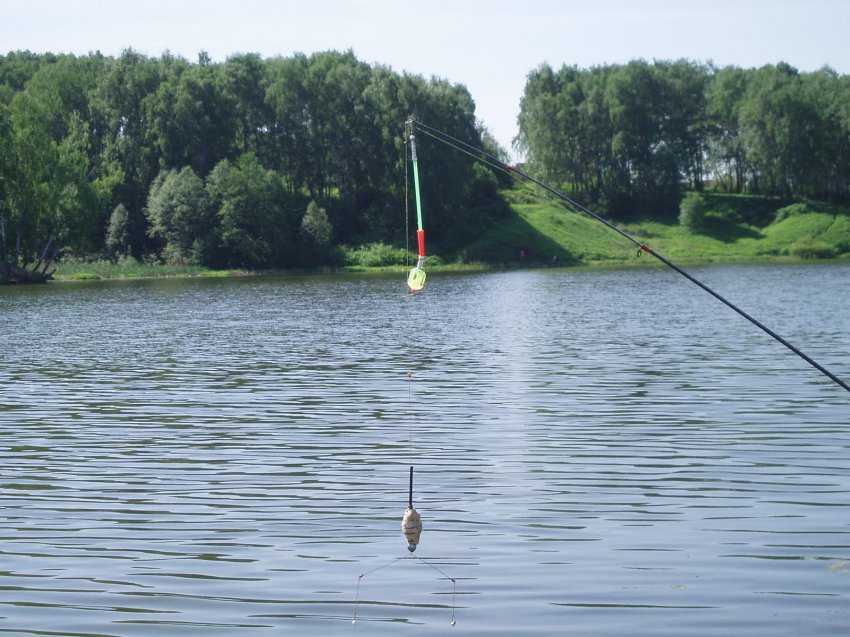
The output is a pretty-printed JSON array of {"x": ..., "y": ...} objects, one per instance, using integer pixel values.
[
  {"x": 409, "y": 421},
  {"x": 452, "y": 621},
  {"x": 491, "y": 160},
  {"x": 360, "y": 578}
]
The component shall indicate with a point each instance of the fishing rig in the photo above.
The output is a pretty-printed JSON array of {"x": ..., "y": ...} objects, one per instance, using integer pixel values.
[
  {"x": 480, "y": 155},
  {"x": 411, "y": 524}
]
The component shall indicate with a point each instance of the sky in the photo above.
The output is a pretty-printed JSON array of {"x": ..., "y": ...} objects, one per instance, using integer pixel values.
[{"x": 489, "y": 46}]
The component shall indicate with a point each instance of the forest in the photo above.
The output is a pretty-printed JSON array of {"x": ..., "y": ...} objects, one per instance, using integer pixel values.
[
  {"x": 288, "y": 162},
  {"x": 252, "y": 163},
  {"x": 630, "y": 138}
]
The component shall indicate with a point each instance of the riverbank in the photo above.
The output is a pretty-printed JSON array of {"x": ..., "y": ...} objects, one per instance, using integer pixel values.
[{"x": 540, "y": 232}]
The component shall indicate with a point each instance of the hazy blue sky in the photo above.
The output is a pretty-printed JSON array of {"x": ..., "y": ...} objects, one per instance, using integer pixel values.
[{"x": 487, "y": 45}]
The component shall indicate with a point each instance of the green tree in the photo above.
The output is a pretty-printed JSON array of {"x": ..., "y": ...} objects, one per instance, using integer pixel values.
[
  {"x": 315, "y": 226},
  {"x": 180, "y": 216},
  {"x": 782, "y": 133},
  {"x": 18, "y": 67},
  {"x": 252, "y": 213},
  {"x": 548, "y": 123},
  {"x": 192, "y": 117},
  {"x": 621, "y": 136},
  {"x": 124, "y": 96},
  {"x": 244, "y": 82},
  {"x": 6, "y": 174},
  {"x": 287, "y": 98},
  {"x": 57, "y": 184},
  {"x": 118, "y": 232},
  {"x": 683, "y": 116},
  {"x": 444, "y": 170},
  {"x": 336, "y": 134},
  {"x": 824, "y": 164},
  {"x": 764, "y": 128},
  {"x": 595, "y": 133},
  {"x": 315, "y": 237},
  {"x": 726, "y": 154},
  {"x": 646, "y": 164}
]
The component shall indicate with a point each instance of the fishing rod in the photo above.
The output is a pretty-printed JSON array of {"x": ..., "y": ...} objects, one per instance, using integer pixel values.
[
  {"x": 416, "y": 277},
  {"x": 495, "y": 162}
]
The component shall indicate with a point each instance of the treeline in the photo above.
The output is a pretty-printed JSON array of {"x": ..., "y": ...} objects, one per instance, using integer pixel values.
[
  {"x": 628, "y": 138},
  {"x": 279, "y": 162},
  {"x": 219, "y": 163}
]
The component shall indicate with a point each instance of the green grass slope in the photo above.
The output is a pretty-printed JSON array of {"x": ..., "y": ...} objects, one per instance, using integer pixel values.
[{"x": 735, "y": 228}]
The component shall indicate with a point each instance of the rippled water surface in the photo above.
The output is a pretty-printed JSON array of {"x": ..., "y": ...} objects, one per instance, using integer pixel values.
[{"x": 595, "y": 453}]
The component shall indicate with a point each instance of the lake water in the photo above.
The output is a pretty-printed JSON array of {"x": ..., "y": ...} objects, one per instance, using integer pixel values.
[{"x": 596, "y": 453}]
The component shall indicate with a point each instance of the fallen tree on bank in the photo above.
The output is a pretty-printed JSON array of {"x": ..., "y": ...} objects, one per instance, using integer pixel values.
[{"x": 21, "y": 267}]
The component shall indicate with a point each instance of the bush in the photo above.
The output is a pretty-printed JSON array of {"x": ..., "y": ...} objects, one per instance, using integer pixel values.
[
  {"x": 814, "y": 251},
  {"x": 376, "y": 255},
  {"x": 692, "y": 212}
]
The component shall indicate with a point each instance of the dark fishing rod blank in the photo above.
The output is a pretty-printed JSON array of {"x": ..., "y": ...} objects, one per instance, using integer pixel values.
[{"x": 495, "y": 162}]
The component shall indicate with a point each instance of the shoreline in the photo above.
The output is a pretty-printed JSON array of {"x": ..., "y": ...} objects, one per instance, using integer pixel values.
[{"x": 172, "y": 272}]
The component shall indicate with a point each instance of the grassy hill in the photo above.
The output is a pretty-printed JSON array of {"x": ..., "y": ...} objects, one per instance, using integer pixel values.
[{"x": 734, "y": 228}]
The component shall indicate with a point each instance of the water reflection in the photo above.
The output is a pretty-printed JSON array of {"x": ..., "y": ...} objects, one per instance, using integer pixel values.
[{"x": 595, "y": 452}]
